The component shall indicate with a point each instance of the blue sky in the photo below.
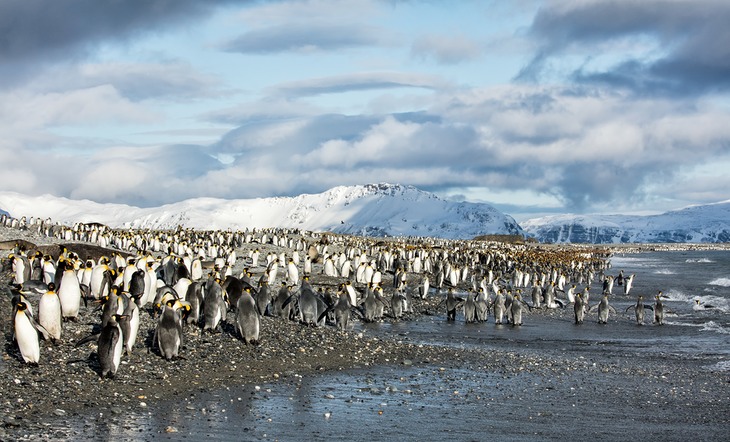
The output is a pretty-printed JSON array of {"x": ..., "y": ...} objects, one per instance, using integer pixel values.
[{"x": 536, "y": 107}]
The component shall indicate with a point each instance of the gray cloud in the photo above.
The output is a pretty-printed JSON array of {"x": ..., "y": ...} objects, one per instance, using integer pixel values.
[
  {"x": 38, "y": 32},
  {"x": 446, "y": 49},
  {"x": 692, "y": 39},
  {"x": 357, "y": 82},
  {"x": 306, "y": 37}
]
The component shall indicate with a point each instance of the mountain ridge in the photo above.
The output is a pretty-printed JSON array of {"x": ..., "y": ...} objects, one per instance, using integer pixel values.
[
  {"x": 373, "y": 209},
  {"x": 708, "y": 223}
]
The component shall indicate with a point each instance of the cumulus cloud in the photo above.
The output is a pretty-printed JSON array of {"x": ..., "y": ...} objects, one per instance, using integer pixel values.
[
  {"x": 25, "y": 110},
  {"x": 597, "y": 150}
]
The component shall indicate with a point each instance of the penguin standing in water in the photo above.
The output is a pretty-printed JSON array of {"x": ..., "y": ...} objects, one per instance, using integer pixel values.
[
  {"x": 369, "y": 304},
  {"x": 110, "y": 346},
  {"x": 342, "y": 308},
  {"x": 247, "y": 319},
  {"x": 452, "y": 304},
  {"x": 570, "y": 294},
  {"x": 482, "y": 306},
  {"x": 608, "y": 284},
  {"x": 498, "y": 307},
  {"x": 659, "y": 310},
  {"x": 628, "y": 281},
  {"x": 516, "y": 309},
  {"x": 380, "y": 306},
  {"x": 26, "y": 333},
  {"x": 639, "y": 309},
  {"x": 398, "y": 304},
  {"x": 579, "y": 308},
  {"x": 470, "y": 308},
  {"x": 603, "y": 309},
  {"x": 49, "y": 312}
]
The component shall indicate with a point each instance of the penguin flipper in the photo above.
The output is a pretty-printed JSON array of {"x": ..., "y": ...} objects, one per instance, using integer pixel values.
[
  {"x": 85, "y": 292},
  {"x": 324, "y": 313},
  {"x": 38, "y": 327},
  {"x": 42, "y": 330},
  {"x": 359, "y": 311},
  {"x": 560, "y": 303},
  {"x": 649, "y": 307},
  {"x": 90, "y": 338},
  {"x": 288, "y": 300}
]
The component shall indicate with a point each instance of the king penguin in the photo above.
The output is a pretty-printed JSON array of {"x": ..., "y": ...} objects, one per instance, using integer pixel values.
[
  {"x": 639, "y": 308},
  {"x": 49, "y": 312},
  {"x": 110, "y": 347},
  {"x": 659, "y": 310},
  {"x": 169, "y": 333},
  {"x": 26, "y": 333},
  {"x": 603, "y": 309},
  {"x": 247, "y": 318},
  {"x": 69, "y": 292}
]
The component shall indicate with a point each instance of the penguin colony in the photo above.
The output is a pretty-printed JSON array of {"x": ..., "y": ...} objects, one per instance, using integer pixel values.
[{"x": 195, "y": 281}]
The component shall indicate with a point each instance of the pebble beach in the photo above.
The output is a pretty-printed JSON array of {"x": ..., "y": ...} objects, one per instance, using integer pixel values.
[{"x": 506, "y": 390}]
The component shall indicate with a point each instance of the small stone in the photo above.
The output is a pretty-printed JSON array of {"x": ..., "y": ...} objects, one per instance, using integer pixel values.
[
  {"x": 59, "y": 412},
  {"x": 170, "y": 429}
]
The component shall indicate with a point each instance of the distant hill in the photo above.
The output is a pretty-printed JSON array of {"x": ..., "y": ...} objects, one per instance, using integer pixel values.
[
  {"x": 695, "y": 224},
  {"x": 373, "y": 210}
]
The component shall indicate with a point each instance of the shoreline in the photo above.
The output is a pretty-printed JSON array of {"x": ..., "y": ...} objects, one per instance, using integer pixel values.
[{"x": 66, "y": 383}]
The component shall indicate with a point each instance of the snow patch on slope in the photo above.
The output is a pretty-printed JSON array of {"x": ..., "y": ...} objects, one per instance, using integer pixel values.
[{"x": 373, "y": 209}]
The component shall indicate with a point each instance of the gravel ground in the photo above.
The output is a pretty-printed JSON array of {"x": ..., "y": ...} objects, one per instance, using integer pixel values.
[{"x": 667, "y": 398}]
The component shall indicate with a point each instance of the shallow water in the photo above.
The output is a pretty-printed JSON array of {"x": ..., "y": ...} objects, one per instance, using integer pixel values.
[{"x": 429, "y": 402}]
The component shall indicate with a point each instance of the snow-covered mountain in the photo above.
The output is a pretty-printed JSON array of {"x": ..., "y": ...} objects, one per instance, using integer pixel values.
[
  {"x": 695, "y": 224},
  {"x": 373, "y": 209}
]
